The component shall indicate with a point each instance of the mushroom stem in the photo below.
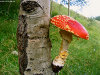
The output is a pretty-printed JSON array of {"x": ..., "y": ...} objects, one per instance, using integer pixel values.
[
  {"x": 66, "y": 39},
  {"x": 64, "y": 45},
  {"x": 59, "y": 60}
]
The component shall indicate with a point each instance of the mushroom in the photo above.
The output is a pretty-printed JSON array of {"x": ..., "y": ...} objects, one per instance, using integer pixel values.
[{"x": 68, "y": 26}]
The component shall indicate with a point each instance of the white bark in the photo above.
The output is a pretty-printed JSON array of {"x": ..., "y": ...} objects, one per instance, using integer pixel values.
[{"x": 33, "y": 38}]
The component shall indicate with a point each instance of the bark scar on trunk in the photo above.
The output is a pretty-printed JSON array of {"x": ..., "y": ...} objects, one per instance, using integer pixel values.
[
  {"x": 30, "y": 6},
  {"x": 22, "y": 40}
]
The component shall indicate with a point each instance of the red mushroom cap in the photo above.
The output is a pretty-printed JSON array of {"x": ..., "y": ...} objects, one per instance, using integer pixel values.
[{"x": 69, "y": 24}]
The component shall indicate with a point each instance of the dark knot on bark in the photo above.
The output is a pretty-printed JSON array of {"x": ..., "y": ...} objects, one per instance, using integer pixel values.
[{"x": 30, "y": 6}]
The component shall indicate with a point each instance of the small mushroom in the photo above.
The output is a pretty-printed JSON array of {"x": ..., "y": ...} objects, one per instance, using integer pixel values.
[{"x": 68, "y": 26}]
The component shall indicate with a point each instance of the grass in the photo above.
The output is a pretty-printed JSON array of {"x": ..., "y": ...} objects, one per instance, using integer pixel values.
[
  {"x": 8, "y": 61},
  {"x": 84, "y": 55}
]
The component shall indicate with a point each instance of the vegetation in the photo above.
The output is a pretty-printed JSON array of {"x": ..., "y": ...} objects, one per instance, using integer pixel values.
[
  {"x": 97, "y": 18},
  {"x": 84, "y": 55}
]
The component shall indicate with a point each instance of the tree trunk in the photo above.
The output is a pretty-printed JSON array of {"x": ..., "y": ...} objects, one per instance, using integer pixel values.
[
  {"x": 33, "y": 38},
  {"x": 68, "y": 7}
]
